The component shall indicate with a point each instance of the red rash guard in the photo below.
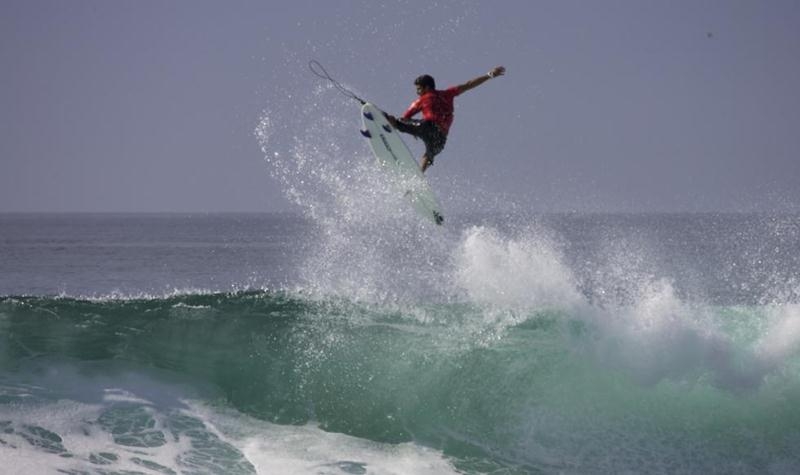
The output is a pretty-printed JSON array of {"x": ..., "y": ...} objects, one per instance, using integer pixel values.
[{"x": 436, "y": 106}]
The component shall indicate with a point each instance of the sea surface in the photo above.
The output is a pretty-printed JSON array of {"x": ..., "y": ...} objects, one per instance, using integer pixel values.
[{"x": 354, "y": 338}]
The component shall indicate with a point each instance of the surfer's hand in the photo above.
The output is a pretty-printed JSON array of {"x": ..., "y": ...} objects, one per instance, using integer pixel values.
[
  {"x": 498, "y": 71},
  {"x": 392, "y": 119}
]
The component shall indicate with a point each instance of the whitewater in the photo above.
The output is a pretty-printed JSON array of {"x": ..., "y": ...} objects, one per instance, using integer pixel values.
[{"x": 350, "y": 337}]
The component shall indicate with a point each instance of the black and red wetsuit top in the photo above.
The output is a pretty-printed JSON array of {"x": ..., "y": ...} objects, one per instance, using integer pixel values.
[{"x": 436, "y": 106}]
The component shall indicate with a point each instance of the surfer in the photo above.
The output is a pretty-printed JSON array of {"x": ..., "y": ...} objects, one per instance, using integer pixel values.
[{"x": 437, "y": 112}]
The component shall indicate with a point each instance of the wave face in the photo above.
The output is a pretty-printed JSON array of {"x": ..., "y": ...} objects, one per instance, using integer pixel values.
[{"x": 531, "y": 353}]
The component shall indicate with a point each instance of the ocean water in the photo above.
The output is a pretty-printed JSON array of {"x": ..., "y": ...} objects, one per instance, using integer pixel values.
[{"x": 354, "y": 338}]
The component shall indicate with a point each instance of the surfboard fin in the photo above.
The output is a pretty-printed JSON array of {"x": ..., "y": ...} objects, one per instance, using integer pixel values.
[
  {"x": 366, "y": 134},
  {"x": 438, "y": 218},
  {"x": 369, "y": 115}
]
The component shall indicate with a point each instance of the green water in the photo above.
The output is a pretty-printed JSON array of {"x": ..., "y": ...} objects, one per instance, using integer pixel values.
[{"x": 546, "y": 392}]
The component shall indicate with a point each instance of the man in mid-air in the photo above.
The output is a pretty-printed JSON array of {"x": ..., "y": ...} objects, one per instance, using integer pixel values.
[{"x": 437, "y": 112}]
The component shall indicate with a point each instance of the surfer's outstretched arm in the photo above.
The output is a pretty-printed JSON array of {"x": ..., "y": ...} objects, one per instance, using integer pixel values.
[{"x": 473, "y": 83}]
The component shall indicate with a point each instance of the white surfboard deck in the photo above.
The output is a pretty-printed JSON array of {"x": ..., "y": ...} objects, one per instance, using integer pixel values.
[{"x": 394, "y": 156}]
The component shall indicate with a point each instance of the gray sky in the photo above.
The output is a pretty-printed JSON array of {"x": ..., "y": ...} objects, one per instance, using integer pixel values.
[{"x": 607, "y": 106}]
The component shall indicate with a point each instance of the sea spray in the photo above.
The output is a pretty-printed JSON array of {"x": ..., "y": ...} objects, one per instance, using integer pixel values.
[
  {"x": 650, "y": 325},
  {"x": 525, "y": 272}
]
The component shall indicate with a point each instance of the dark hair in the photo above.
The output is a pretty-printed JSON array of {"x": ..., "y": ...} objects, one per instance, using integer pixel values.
[{"x": 425, "y": 81}]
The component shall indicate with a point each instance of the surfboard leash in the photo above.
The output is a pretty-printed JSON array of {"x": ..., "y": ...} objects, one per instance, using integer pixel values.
[{"x": 321, "y": 73}]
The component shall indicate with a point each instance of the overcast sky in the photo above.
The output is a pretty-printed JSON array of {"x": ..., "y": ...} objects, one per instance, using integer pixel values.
[{"x": 607, "y": 105}]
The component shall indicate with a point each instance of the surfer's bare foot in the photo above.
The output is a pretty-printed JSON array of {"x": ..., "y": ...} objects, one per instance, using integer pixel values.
[{"x": 426, "y": 162}]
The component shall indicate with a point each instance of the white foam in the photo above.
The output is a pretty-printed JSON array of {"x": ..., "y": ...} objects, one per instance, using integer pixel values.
[
  {"x": 81, "y": 438},
  {"x": 513, "y": 276},
  {"x": 75, "y": 417},
  {"x": 661, "y": 337},
  {"x": 309, "y": 450},
  {"x": 781, "y": 340},
  {"x": 650, "y": 332}
]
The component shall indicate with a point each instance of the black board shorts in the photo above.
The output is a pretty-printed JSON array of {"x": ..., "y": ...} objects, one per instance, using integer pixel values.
[{"x": 428, "y": 131}]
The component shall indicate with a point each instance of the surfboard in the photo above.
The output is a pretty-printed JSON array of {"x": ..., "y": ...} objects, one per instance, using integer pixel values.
[{"x": 394, "y": 156}]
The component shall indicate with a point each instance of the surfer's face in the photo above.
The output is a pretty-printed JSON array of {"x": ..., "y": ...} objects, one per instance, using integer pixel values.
[{"x": 421, "y": 89}]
